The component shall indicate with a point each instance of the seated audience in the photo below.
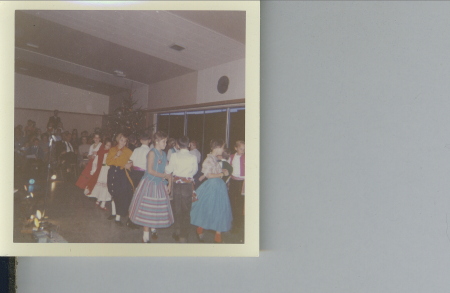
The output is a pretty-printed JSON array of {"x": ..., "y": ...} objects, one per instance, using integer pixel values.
[{"x": 83, "y": 152}]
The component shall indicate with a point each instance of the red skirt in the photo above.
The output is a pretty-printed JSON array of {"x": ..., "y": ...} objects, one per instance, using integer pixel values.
[{"x": 85, "y": 176}]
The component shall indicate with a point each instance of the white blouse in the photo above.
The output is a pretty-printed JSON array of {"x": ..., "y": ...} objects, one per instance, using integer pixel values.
[{"x": 93, "y": 149}]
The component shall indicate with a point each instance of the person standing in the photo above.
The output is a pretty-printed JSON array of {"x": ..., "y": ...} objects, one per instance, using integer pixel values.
[
  {"x": 97, "y": 186},
  {"x": 54, "y": 120},
  {"x": 183, "y": 165},
  {"x": 237, "y": 161},
  {"x": 212, "y": 210},
  {"x": 194, "y": 151},
  {"x": 91, "y": 166},
  {"x": 150, "y": 206},
  {"x": 120, "y": 185},
  {"x": 225, "y": 165},
  {"x": 171, "y": 148},
  {"x": 139, "y": 159}
]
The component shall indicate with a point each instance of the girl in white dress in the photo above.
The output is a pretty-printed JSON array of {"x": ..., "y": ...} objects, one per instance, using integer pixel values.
[
  {"x": 97, "y": 186},
  {"x": 90, "y": 168}
]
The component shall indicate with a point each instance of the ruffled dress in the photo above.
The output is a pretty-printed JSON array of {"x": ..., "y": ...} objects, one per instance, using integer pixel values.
[{"x": 100, "y": 190}]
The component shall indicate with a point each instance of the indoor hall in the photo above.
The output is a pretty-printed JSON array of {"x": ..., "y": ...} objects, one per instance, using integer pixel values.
[{"x": 111, "y": 72}]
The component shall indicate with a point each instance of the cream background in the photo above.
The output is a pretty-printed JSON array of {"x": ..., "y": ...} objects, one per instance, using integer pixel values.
[{"x": 250, "y": 248}]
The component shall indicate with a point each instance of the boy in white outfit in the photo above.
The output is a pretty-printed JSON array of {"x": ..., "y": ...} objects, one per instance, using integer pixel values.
[{"x": 183, "y": 167}]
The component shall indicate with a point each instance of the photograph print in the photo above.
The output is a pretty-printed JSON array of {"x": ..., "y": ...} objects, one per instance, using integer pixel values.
[{"x": 130, "y": 127}]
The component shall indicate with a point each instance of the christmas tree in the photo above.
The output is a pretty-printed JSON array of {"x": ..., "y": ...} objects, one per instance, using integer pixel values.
[{"x": 127, "y": 120}]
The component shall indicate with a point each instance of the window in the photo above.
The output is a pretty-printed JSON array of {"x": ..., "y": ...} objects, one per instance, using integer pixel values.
[
  {"x": 204, "y": 125},
  {"x": 163, "y": 122},
  {"x": 195, "y": 122},
  {"x": 171, "y": 123},
  {"x": 215, "y": 128},
  {"x": 176, "y": 128},
  {"x": 237, "y": 126}
]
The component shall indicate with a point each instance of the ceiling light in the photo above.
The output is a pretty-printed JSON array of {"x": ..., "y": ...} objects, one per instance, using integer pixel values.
[
  {"x": 177, "y": 47},
  {"x": 119, "y": 73},
  {"x": 32, "y": 45}
]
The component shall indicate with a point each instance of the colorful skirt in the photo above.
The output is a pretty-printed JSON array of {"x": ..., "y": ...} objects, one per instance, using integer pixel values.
[
  {"x": 150, "y": 206},
  {"x": 100, "y": 190},
  {"x": 85, "y": 176},
  {"x": 212, "y": 210}
]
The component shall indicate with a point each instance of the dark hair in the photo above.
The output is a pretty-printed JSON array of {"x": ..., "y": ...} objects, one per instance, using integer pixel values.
[
  {"x": 97, "y": 133},
  {"x": 171, "y": 142},
  {"x": 159, "y": 135},
  {"x": 216, "y": 143},
  {"x": 145, "y": 136},
  {"x": 44, "y": 134},
  {"x": 120, "y": 135},
  {"x": 238, "y": 142},
  {"x": 226, "y": 153},
  {"x": 183, "y": 142},
  {"x": 106, "y": 140}
]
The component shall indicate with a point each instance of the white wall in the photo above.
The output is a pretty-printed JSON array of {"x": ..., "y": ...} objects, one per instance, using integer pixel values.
[
  {"x": 199, "y": 87},
  {"x": 70, "y": 120},
  {"x": 173, "y": 92},
  {"x": 34, "y": 93},
  {"x": 208, "y": 78}
]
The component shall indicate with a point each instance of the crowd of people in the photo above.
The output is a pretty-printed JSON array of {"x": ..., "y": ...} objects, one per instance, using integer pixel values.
[
  {"x": 154, "y": 180},
  {"x": 33, "y": 147}
]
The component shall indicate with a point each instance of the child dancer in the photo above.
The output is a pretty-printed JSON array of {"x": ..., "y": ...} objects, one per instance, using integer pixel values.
[
  {"x": 171, "y": 149},
  {"x": 212, "y": 210},
  {"x": 225, "y": 165},
  {"x": 150, "y": 206},
  {"x": 97, "y": 186},
  {"x": 91, "y": 166},
  {"x": 195, "y": 152},
  {"x": 184, "y": 166},
  {"x": 139, "y": 161},
  {"x": 119, "y": 183},
  {"x": 237, "y": 161}
]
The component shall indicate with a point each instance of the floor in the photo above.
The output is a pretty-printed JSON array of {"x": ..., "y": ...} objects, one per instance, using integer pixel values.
[{"x": 77, "y": 218}]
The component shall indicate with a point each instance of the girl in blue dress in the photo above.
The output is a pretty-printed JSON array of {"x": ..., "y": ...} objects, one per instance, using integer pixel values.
[
  {"x": 212, "y": 210},
  {"x": 150, "y": 206}
]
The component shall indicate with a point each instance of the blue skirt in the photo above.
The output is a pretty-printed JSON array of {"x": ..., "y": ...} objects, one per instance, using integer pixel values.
[{"x": 212, "y": 210}]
